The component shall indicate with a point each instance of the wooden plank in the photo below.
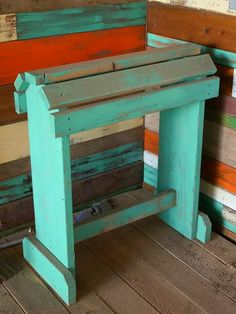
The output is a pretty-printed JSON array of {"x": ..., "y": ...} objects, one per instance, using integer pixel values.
[
  {"x": 7, "y": 106},
  {"x": 227, "y": 75},
  {"x": 221, "y": 118},
  {"x": 124, "y": 210},
  {"x": 86, "y": 90},
  {"x": 103, "y": 65},
  {"x": 8, "y": 304},
  {"x": 223, "y": 103},
  {"x": 108, "y": 285},
  {"x": 121, "y": 247},
  {"x": 113, "y": 182},
  {"x": 220, "y": 143},
  {"x": 219, "y": 174},
  {"x": 218, "y": 29},
  {"x": 18, "y": 133},
  {"x": 80, "y": 19},
  {"x": 223, "y": 57},
  {"x": 7, "y": 27},
  {"x": 137, "y": 105},
  {"x": 192, "y": 255},
  {"x": 32, "y": 5},
  {"x": 69, "y": 48}
]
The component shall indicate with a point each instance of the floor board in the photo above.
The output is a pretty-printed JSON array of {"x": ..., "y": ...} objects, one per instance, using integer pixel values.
[{"x": 142, "y": 268}]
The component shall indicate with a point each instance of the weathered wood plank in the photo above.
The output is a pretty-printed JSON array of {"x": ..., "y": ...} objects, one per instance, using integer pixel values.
[
  {"x": 18, "y": 133},
  {"x": 8, "y": 304},
  {"x": 122, "y": 246},
  {"x": 69, "y": 48},
  {"x": 220, "y": 118},
  {"x": 191, "y": 255},
  {"x": 137, "y": 105},
  {"x": 8, "y": 27},
  {"x": 108, "y": 285},
  {"x": 227, "y": 75},
  {"x": 34, "y": 5},
  {"x": 113, "y": 182},
  {"x": 223, "y": 103},
  {"x": 220, "y": 143},
  {"x": 123, "y": 210},
  {"x": 80, "y": 19},
  {"x": 219, "y": 29},
  {"x": 131, "y": 80}
]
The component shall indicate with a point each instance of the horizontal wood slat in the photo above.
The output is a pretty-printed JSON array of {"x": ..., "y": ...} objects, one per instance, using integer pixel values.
[
  {"x": 223, "y": 103},
  {"x": 20, "y": 212},
  {"x": 15, "y": 6},
  {"x": 11, "y": 135},
  {"x": 220, "y": 117},
  {"x": 227, "y": 81},
  {"x": 59, "y": 50},
  {"x": 199, "y": 26},
  {"x": 213, "y": 171},
  {"x": 28, "y": 25},
  {"x": 131, "y": 80}
]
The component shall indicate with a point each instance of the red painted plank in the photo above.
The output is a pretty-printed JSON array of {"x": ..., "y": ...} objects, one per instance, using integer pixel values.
[{"x": 27, "y": 55}]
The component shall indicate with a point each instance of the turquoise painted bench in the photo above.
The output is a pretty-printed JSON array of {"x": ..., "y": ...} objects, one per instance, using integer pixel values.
[{"x": 65, "y": 100}]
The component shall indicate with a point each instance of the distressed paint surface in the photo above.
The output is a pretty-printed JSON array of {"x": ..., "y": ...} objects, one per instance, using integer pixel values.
[
  {"x": 81, "y": 19},
  {"x": 82, "y": 168}
]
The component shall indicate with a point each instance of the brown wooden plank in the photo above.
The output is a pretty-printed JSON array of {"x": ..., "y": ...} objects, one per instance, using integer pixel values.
[
  {"x": 223, "y": 103},
  {"x": 7, "y": 106},
  {"x": 15, "y": 6},
  {"x": 198, "y": 26},
  {"x": 20, "y": 212},
  {"x": 108, "y": 285},
  {"x": 22, "y": 166},
  {"x": 122, "y": 250},
  {"x": 191, "y": 254},
  {"x": 8, "y": 304},
  {"x": 226, "y": 75}
]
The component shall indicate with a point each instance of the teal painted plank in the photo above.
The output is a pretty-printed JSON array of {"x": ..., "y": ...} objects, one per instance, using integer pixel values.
[
  {"x": 208, "y": 205},
  {"x": 100, "y": 87},
  {"x": 51, "y": 177},
  {"x": 50, "y": 269},
  {"x": 222, "y": 57},
  {"x": 204, "y": 228},
  {"x": 83, "y": 168},
  {"x": 129, "y": 107},
  {"x": 129, "y": 210},
  {"x": 81, "y": 19}
]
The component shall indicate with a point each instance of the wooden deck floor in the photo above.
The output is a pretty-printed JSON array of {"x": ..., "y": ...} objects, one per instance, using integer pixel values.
[{"x": 141, "y": 268}]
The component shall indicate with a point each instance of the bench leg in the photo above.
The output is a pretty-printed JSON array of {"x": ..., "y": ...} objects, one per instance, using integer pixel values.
[
  {"x": 180, "y": 148},
  {"x": 51, "y": 251}
]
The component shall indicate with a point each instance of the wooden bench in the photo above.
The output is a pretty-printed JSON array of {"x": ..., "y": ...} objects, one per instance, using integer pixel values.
[{"x": 77, "y": 97}]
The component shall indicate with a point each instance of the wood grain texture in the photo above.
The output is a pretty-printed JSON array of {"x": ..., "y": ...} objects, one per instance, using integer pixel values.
[
  {"x": 112, "y": 182},
  {"x": 69, "y": 48},
  {"x": 227, "y": 79},
  {"x": 8, "y": 304},
  {"x": 15, "y": 6},
  {"x": 122, "y": 246},
  {"x": 8, "y": 27},
  {"x": 199, "y": 26},
  {"x": 18, "y": 133},
  {"x": 220, "y": 143},
  {"x": 80, "y": 19},
  {"x": 220, "y": 117}
]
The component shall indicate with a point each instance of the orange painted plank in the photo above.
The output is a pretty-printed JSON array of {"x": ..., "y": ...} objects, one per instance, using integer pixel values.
[
  {"x": 27, "y": 55},
  {"x": 219, "y": 174},
  {"x": 213, "y": 171},
  {"x": 151, "y": 141}
]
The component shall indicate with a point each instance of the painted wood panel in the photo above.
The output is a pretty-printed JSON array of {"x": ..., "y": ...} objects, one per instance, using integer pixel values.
[
  {"x": 27, "y": 25},
  {"x": 223, "y": 103},
  {"x": 206, "y": 28},
  {"x": 58, "y": 50},
  {"x": 221, "y": 118},
  {"x": 15, "y": 6},
  {"x": 220, "y": 6},
  {"x": 13, "y": 134},
  {"x": 19, "y": 212}
]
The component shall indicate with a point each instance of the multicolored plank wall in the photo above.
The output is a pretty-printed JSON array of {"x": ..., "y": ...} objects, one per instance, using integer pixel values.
[
  {"x": 215, "y": 33},
  {"x": 40, "y": 34}
]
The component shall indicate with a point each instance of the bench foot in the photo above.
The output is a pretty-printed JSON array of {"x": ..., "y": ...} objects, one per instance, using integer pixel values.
[
  {"x": 204, "y": 228},
  {"x": 56, "y": 275}
]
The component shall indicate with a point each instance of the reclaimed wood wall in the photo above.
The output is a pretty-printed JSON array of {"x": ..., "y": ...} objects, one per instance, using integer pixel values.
[
  {"x": 39, "y": 34},
  {"x": 218, "y": 31}
]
